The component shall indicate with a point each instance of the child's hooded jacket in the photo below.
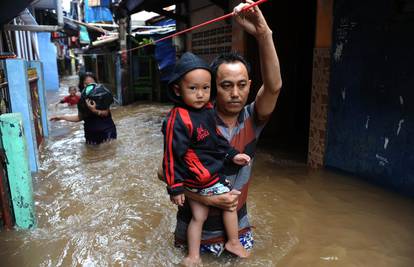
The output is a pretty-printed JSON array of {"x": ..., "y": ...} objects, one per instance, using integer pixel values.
[{"x": 194, "y": 149}]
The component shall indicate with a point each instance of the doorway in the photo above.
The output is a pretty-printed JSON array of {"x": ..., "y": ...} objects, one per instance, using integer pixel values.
[{"x": 293, "y": 25}]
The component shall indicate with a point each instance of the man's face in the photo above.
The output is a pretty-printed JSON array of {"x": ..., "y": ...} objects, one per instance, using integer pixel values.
[{"x": 233, "y": 86}]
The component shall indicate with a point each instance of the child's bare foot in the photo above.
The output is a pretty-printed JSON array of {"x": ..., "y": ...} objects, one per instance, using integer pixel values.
[
  {"x": 191, "y": 262},
  {"x": 237, "y": 249}
]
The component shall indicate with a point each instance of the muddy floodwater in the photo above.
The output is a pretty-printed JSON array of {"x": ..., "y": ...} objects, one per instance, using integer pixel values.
[{"x": 103, "y": 206}]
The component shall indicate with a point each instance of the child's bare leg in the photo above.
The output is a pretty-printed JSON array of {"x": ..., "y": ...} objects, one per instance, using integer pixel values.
[
  {"x": 233, "y": 244},
  {"x": 200, "y": 213}
]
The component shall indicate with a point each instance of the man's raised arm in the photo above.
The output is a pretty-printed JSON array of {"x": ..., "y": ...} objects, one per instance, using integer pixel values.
[{"x": 253, "y": 22}]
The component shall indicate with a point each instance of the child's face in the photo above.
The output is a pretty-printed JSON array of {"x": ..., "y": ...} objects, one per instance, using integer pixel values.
[
  {"x": 72, "y": 91},
  {"x": 194, "y": 88}
]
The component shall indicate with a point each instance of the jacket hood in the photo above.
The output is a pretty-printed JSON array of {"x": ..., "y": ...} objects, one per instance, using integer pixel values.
[{"x": 185, "y": 64}]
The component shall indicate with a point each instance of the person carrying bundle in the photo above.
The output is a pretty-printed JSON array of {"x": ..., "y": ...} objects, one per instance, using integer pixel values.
[{"x": 93, "y": 109}]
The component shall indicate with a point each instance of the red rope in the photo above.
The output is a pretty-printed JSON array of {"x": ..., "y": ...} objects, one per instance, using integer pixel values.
[{"x": 197, "y": 26}]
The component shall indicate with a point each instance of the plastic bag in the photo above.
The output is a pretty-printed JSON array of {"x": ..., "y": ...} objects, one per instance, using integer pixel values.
[{"x": 99, "y": 94}]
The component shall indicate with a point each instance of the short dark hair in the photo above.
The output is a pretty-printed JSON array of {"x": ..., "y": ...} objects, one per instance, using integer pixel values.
[{"x": 231, "y": 57}]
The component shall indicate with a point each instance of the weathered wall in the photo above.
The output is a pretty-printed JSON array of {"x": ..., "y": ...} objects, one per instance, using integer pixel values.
[
  {"x": 213, "y": 39},
  {"x": 47, "y": 53},
  {"x": 319, "y": 107},
  {"x": 320, "y": 83},
  {"x": 370, "y": 120}
]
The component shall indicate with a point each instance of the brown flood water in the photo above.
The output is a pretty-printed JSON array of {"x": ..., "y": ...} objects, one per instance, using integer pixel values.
[{"x": 103, "y": 206}]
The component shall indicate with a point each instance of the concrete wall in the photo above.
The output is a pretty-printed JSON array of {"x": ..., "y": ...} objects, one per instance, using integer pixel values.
[
  {"x": 21, "y": 103},
  {"x": 319, "y": 107},
  {"x": 320, "y": 83},
  {"x": 370, "y": 119},
  {"x": 213, "y": 39}
]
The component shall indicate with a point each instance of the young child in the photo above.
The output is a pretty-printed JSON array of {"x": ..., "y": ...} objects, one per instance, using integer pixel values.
[
  {"x": 73, "y": 97},
  {"x": 195, "y": 152}
]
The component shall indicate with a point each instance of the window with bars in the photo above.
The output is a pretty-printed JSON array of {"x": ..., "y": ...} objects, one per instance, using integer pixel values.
[{"x": 213, "y": 41}]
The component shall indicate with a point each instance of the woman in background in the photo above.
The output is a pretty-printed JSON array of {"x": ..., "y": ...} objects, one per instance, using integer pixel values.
[{"x": 98, "y": 124}]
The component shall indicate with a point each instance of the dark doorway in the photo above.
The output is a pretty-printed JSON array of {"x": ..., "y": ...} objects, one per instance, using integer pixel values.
[{"x": 293, "y": 25}]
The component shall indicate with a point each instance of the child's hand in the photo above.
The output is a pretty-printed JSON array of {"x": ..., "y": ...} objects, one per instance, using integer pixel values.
[
  {"x": 91, "y": 105},
  {"x": 241, "y": 159},
  {"x": 178, "y": 199}
]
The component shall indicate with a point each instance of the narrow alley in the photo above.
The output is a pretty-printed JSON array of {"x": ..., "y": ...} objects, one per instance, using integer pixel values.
[
  {"x": 103, "y": 206},
  {"x": 314, "y": 99}
]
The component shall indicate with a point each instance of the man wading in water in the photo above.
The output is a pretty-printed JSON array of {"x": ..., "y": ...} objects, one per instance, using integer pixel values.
[{"x": 241, "y": 125}]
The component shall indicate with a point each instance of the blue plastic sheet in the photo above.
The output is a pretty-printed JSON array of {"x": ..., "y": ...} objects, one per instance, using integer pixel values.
[
  {"x": 165, "y": 52},
  {"x": 98, "y": 14},
  {"x": 84, "y": 35}
]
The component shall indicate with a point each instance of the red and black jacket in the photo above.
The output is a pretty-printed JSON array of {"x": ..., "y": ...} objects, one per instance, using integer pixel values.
[{"x": 194, "y": 149}]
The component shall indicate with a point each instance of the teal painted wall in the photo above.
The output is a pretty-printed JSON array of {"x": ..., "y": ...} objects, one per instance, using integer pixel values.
[{"x": 19, "y": 176}]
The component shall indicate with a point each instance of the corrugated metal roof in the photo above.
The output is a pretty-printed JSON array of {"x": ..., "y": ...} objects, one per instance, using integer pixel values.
[
  {"x": 10, "y": 9},
  {"x": 160, "y": 30},
  {"x": 45, "y": 4}
]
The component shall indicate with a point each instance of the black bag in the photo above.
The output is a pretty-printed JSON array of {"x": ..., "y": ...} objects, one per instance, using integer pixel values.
[{"x": 99, "y": 94}]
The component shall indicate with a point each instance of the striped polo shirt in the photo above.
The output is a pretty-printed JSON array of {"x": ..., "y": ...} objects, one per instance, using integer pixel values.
[{"x": 244, "y": 138}]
